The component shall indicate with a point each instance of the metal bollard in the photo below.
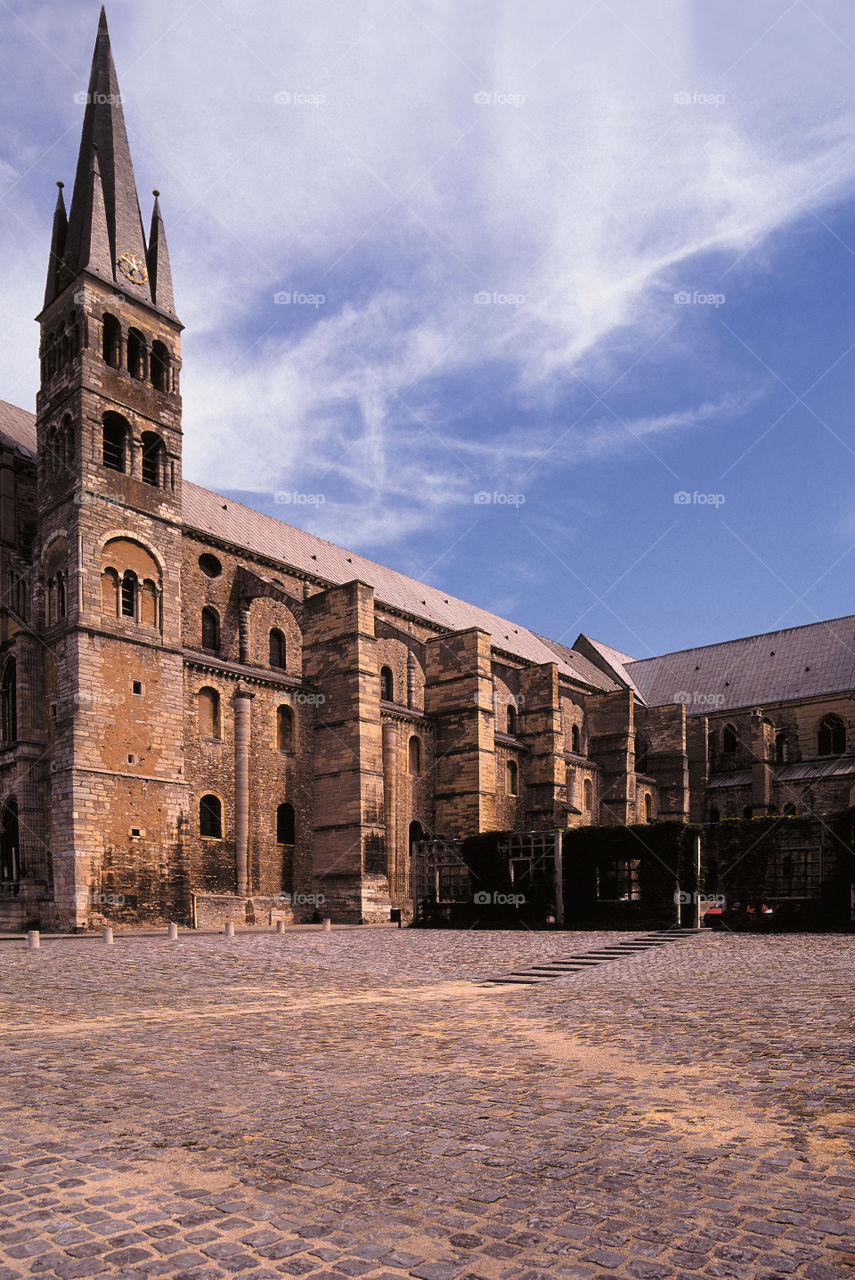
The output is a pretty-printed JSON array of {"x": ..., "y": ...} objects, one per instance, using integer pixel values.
[
  {"x": 107, "y": 934},
  {"x": 230, "y": 929},
  {"x": 172, "y": 933},
  {"x": 33, "y": 941},
  {"x": 326, "y": 925},
  {"x": 280, "y": 926}
]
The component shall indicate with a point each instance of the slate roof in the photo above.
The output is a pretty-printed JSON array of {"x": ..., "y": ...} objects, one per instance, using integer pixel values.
[
  {"x": 804, "y": 771},
  {"x": 17, "y": 430},
  {"x": 776, "y": 666},
  {"x": 212, "y": 514}
]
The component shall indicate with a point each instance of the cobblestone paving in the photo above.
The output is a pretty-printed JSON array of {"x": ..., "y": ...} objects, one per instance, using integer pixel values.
[{"x": 357, "y": 1104}]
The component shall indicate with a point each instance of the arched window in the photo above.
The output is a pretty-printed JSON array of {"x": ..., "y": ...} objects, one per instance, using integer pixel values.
[
  {"x": 831, "y": 737},
  {"x": 511, "y": 778},
  {"x": 285, "y": 825},
  {"x": 747, "y": 812},
  {"x": 415, "y": 754},
  {"x": 152, "y": 458},
  {"x": 782, "y": 750},
  {"x": 648, "y": 807},
  {"x": 128, "y": 594},
  {"x": 512, "y": 720},
  {"x": 9, "y": 703},
  {"x": 210, "y": 629},
  {"x": 728, "y": 740},
  {"x": 589, "y": 794},
  {"x": 136, "y": 355},
  {"x": 210, "y": 818},
  {"x": 284, "y": 728},
  {"x": 277, "y": 649},
  {"x": 642, "y": 752},
  {"x": 111, "y": 341},
  {"x": 416, "y": 834},
  {"x": 66, "y": 441},
  {"x": 10, "y": 865},
  {"x": 115, "y": 441},
  {"x": 712, "y": 747},
  {"x": 387, "y": 684},
  {"x": 714, "y": 815},
  {"x": 575, "y": 742},
  {"x": 159, "y": 366},
  {"x": 110, "y": 593},
  {"x": 148, "y": 603},
  {"x": 790, "y": 810},
  {"x": 208, "y": 713}
]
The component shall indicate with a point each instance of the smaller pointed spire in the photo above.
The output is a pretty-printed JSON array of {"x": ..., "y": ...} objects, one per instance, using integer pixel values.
[
  {"x": 157, "y": 260},
  {"x": 57, "y": 247}
]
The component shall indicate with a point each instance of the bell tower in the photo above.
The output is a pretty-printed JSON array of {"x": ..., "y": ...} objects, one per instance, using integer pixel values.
[{"x": 109, "y": 520}]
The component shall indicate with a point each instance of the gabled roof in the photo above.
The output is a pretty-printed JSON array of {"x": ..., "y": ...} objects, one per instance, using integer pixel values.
[
  {"x": 211, "y": 514},
  {"x": 17, "y": 430},
  {"x": 775, "y": 666}
]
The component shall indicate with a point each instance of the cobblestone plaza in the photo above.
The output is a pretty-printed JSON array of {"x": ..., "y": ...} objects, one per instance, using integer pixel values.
[{"x": 363, "y": 1103}]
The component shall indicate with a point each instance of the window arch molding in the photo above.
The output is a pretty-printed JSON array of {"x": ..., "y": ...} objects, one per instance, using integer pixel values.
[{"x": 831, "y": 736}]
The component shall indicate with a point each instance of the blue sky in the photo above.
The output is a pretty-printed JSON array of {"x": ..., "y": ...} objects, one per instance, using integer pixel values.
[{"x": 576, "y": 258}]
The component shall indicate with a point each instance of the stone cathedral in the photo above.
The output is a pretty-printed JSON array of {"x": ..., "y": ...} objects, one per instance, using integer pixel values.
[{"x": 203, "y": 709}]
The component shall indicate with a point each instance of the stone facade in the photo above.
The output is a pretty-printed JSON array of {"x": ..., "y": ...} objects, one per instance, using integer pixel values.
[{"x": 207, "y": 714}]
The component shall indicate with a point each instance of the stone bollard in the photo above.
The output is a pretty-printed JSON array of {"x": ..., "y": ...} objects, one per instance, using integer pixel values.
[
  {"x": 107, "y": 934},
  {"x": 326, "y": 925},
  {"x": 230, "y": 929},
  {"x": 280, "y": 926},
  {"x": 172, "y": 933},
  {"x": 33, "y": 940}
]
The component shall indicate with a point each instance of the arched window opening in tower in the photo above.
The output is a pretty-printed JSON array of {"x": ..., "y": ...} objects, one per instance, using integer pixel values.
[
  {"x": 415, "y": 755},
  {"x": 159, "y": 366},
  {"x": 115, "y": 438},
  {"x": 111, "y": 340},
  {"x": 128, "y": 594},
  {"x": 137, "y": 355},
  {"x": 152, "y": 458},
  {"x": 387, "y": 684},
  {"x": 728, "y": 740},
  {"x": 511, "y": 778}
]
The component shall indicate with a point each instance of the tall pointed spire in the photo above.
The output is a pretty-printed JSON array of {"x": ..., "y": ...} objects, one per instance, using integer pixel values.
[
  {"x": 104, "y": 131},
  {"x": 57, "y": 247},
  {"x": 159, "y": 273}
]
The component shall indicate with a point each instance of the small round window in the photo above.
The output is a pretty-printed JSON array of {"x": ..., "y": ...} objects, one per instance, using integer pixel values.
[{"x": 210, "y": 565}]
